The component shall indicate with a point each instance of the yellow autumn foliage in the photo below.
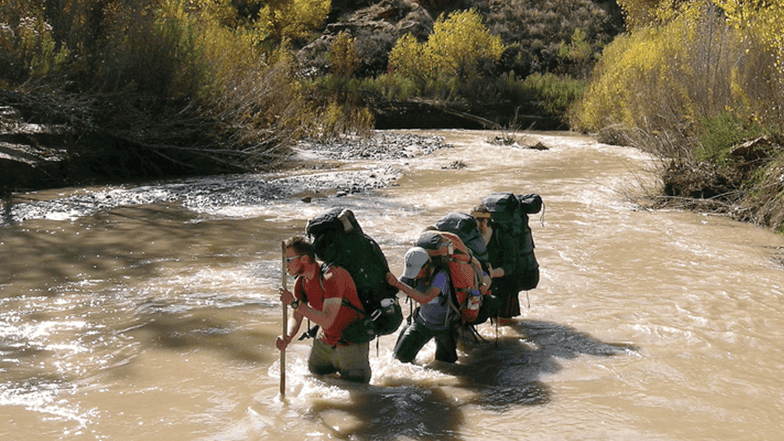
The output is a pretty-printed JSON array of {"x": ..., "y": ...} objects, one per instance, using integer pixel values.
[
  {"x": 689, "y": 64},
  {"x": 763, "y": 20},
  {"x": 292, "y": 19},
  {"x": 457, "y": 48}
]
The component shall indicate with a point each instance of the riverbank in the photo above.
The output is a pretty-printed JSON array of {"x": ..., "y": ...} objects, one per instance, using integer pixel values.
[
  {"x": 38, "y": 153},
  {"x": 313, "y": 170}
]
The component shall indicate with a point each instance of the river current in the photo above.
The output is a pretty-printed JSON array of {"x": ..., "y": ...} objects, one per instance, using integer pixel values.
[{"x": 150, "y": 311}]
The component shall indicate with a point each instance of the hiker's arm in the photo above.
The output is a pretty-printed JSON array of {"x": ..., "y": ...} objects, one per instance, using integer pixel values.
[
  {"x": 419, "y": 297},
  {"x": 324, "y": 318},
  {"x": 293, "y": 327}
]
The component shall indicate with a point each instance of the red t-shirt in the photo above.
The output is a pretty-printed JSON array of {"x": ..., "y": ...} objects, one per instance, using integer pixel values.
[{"x": 337, "y": 283}]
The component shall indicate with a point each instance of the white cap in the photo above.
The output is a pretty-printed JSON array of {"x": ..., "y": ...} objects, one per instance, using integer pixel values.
[{"x": 415, "y": 258}]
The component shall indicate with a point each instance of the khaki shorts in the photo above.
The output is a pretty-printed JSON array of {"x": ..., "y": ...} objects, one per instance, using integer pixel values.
[{"x": 351, "y": 362}]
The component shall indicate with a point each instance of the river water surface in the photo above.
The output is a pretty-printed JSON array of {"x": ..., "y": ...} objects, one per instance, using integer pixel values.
[{"x": 150, "y": 312}]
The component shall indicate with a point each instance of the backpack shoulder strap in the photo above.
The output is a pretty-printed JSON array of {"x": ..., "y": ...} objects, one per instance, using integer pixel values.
[
  {"x": 323, "y": 269},
  {"x": 343, "y": 301},
  {"x": 451, "y": 299}
]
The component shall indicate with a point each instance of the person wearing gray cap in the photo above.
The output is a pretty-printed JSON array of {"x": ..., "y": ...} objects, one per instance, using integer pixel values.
[{"x": 434, "y": 318}]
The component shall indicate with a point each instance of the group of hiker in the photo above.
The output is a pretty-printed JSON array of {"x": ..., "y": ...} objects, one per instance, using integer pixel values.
[{"x": 461, "y": 272}]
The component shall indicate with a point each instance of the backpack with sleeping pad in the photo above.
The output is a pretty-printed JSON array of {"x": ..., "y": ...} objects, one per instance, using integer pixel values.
[
  {"x": 339, "y": 240},
  {"x": 510, "y": 212},
  {"x": 447, "y": 251},
  {"x": 465, "y": 227}
]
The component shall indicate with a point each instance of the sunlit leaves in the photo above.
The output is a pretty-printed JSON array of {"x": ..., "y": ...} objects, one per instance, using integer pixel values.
[
  {"x": 293, "y": 19},
  {"x": 343, "y": 55},
  {"x": 461, "y": 43},
  {"x": 409, "y": 59},
  {"x": 459, "y": 47},
  {"x": 763, "y": 20},
  {"x": 702, "y": 69}
]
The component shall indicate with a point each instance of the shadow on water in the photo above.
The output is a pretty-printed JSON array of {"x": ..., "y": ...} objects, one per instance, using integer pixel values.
[
  {"x": 127, "y": 243},
  {"x": 497, "y": 376},
  {"x": 52, "y": 253},
  {"x": 408, "y": 411},
  {"x": 506, "y": 371},
  {"x": 204, "y": 330}
]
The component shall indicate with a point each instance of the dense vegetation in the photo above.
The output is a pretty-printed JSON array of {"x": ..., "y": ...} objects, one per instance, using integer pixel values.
[
  {"x": 204, "y": 86},
  {"x": 199, "y": 84},
  {"x": 701, "y": 85},
  {"x": 498, "y": 59}
]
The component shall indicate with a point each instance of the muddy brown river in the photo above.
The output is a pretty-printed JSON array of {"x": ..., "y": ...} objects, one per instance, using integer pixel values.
[{"x": 150, "y": 311}]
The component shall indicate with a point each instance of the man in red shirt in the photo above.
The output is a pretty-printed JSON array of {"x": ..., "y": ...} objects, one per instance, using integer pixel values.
[{"x": 319, "y": 295}]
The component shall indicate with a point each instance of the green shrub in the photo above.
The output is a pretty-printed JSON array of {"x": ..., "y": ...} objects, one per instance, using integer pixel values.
[
  {"x": 28, "y": 47},
  {"x": 391, "y": 87},
  {"x": 539, "y": 28},
  {"x": 164, "y": 72},
  {"x": 722, "y": 132},
  {"x": 556, "y": 93}
]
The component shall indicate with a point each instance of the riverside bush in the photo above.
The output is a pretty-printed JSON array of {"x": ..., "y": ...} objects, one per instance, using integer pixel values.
[
  {"x": 688, "y": 83},
  {"x": 557, "y": 93},
  {"x": 187, "y": 78},
  {"x": 673, "y": 75},
  {"x": 336, "y": 95},
  {"x": 721, "y": 133},
  {"x": 27, "y": 44},
  {"x": 764, "y": 194}
]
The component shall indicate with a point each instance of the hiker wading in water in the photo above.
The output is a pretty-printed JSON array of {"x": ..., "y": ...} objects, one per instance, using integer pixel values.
[
  {"x": 318, "y": 295},
  {"x": 503, "y": 261},
  {"x": 434, "y": 318}
]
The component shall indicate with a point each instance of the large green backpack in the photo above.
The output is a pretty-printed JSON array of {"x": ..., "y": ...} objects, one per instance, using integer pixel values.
[
  {"x": 339, "y": 240},
  {"x": 510, "y": 213}
]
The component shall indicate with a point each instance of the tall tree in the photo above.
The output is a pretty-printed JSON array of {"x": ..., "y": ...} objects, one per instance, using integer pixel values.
[{"x": 460, "y": 46}]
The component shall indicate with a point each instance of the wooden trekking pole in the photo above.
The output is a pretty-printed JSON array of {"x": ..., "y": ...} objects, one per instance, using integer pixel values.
[{"x": 285, "y": 322}]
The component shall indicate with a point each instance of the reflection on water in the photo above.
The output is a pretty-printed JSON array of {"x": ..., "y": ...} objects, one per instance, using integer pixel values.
[{"x": 150, "y": 312}]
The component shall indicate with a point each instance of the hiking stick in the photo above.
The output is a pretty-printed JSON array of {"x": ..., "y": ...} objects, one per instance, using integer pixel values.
[
  {"x": 285, "y": 322},
  {"x": 496, "y": 331}
]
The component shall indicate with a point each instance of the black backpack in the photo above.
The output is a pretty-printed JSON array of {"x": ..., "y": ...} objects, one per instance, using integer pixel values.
[
  {"x": 339, "y": 240},
  {"x": 510, "y": 213}
]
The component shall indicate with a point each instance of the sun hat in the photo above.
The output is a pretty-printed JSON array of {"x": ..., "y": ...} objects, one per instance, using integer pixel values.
[{"x": 415, "y": 258}]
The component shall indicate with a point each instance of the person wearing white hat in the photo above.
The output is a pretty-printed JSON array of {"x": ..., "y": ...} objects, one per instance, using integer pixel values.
[{"x": 434, "y": 318}]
